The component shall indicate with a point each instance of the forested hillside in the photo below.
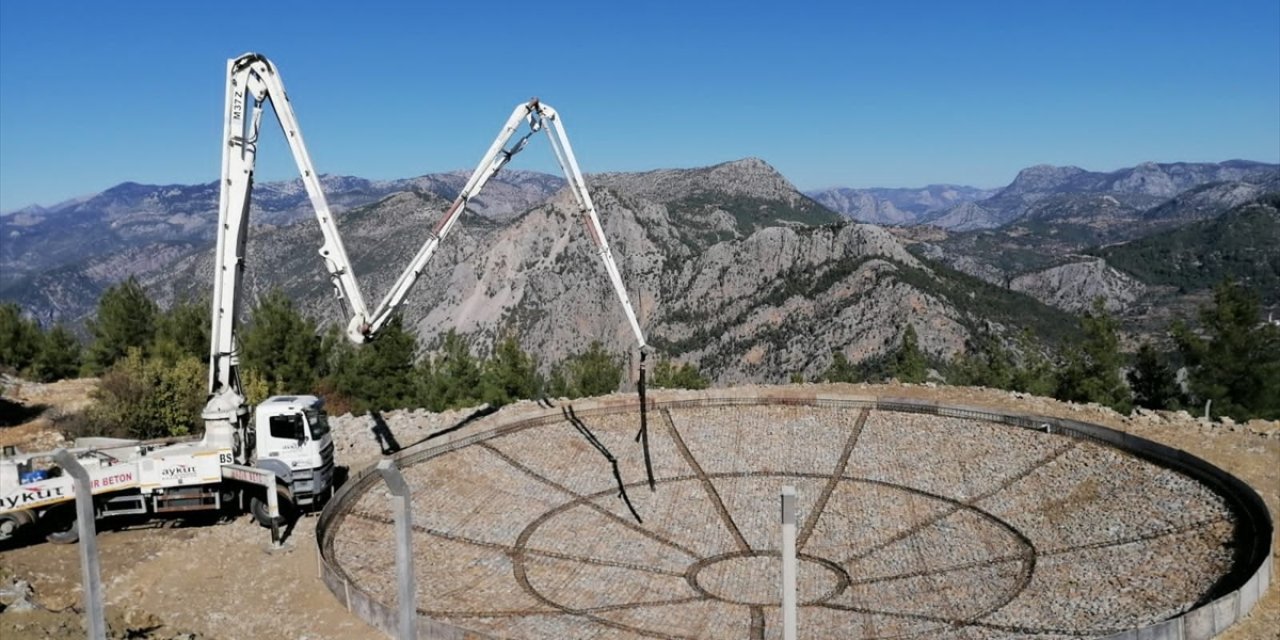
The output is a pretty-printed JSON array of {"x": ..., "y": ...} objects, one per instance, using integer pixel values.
[{"x": 1243, "y": 244}]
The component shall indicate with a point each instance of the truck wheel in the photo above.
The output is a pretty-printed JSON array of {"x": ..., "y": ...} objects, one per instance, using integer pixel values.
[
  {"x": 61, "y": 526},
  {"x": 11, "y": 527},
  {"x": 258, "y": 507}
]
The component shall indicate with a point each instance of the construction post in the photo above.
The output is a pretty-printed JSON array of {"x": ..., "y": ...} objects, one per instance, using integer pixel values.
[
  {"x": 273, "y": 512},
  {"x": 788, "y": 563},
  {"x": 88, "y": 544},
  {"x": 404, "y": 547},
  {"x": 267, "y": 480}
]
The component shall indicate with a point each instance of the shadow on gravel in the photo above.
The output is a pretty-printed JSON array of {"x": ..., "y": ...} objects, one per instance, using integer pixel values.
[
  {"x": 386, "y": 439},
  {"x": 482, "y": 412},
  {"x": 13, "y": 414},
  {"x": 340, "y": 474},
  {"x": 290, "y": 525}
]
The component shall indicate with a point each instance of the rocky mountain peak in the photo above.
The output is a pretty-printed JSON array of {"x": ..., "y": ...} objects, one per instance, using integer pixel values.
[
  {"x": 748, "y": 164},
  {"x": 1147, "y": 178},
  {"x": 748, "y": 177},
  {"x": 29, "y": 210},
  {"x": 1041, "y": 177},
  {"x": 128, "y": 188}
]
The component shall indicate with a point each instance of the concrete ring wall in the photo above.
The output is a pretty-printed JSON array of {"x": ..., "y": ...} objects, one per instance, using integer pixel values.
[{"x": 1241, "y": 589}]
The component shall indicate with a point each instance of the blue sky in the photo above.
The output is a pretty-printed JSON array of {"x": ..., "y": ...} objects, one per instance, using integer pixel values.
[{"x": 840, "y": 93}]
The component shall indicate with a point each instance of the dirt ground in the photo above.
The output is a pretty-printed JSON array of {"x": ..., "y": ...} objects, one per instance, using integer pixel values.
[
  {"x": 224, "y": 580},
  {"x": 29, "y": 410}
]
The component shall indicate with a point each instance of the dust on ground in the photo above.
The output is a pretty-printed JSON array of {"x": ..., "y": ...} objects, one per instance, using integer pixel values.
[{"x": 224, "y": 581}]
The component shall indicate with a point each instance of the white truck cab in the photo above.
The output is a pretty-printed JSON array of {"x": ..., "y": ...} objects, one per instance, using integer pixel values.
[{"x": 293, "y": 441}]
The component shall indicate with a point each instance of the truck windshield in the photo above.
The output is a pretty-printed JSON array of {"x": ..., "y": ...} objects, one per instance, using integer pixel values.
[
  {"x": 319, "y": 422},
  {"x": 286, "y": 426}
]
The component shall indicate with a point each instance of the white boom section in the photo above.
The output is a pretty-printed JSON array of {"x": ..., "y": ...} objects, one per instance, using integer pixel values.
[
  {"x": 253, "y": 77},
  {"x": 539, "y": 116},
  {"x": 578, "y": 186}
]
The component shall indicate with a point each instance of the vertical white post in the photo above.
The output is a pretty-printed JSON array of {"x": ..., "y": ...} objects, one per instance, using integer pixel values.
[
  {"x": 273, "y": 511},
  {"x": 88, "y": 544},
  {"x": 265, "y": 479},
  {"x": 404, "y": 551},
  {"x": 788, "y": 563}
]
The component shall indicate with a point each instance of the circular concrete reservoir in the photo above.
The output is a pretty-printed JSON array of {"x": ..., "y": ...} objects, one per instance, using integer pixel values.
[{"x": 915, "y": 521}]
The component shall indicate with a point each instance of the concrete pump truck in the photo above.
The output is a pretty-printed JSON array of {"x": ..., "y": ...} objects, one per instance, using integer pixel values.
[{"x": 283, "y": 445}]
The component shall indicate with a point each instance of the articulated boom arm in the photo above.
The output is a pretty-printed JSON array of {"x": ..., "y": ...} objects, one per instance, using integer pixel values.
[
  {"x": 539, "y": 117},
  {"x": 578, "y": 186},
  {"x": 252, "y": 81},
  {"x": 252, "y": 77}
]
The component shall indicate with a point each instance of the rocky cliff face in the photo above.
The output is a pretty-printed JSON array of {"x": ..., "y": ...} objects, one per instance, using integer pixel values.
[
  {"x": 1208, "y": 200},
  {"x": 968, "y": 216},
  {"x": 1073, "y": 287}
]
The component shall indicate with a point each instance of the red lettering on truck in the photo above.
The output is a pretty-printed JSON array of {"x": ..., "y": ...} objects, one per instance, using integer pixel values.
[{"x": 112, "y": 480}]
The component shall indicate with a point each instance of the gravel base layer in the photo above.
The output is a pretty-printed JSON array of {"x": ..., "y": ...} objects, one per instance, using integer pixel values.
[{"x": 910, "y": 526}]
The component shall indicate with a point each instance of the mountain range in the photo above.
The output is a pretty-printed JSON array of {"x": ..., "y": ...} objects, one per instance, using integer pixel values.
[
  {"x": 902, "y": 206},
  {"x": 731, "y": 267},
  {"x": 1043, "y": 190},
  {"x": 130, "y": 215},
  {"x": 1036, "y": 232}
]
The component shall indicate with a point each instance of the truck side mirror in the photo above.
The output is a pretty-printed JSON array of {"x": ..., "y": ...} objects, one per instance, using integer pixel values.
[{"x": 300, "y": 431}]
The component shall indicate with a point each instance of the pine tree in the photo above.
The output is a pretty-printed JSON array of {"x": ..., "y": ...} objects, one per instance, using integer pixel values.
[
  {"x": 451, "y": 379},
  {"x": 183, "y": 330},
  {"x": 986, "y": 363},
  {"x": 558, "y": 383},
  {"x": 386, "y": 366},
  {"x": 1154, "y": 383},
  {"x": 59, "y": 356},
  {"x": 841, "y": 370},
  {"x": 666, "y": 375},
  {"x": 126, "y": 319},
  {"x": 908, "y": 364},
  {"x": 282, "y": 345},
  {"x": 989, "y": 363},
  {"x": 593, "y": 372},
  {"x": 378, "y": 376},
  {"x": 509, "y": 374},
  {"x": 339, "y": 356},
  {"x": 19, "y": 338},
  {"x": 1092, "y": 373},
  {"x": 1236, "y": 364},
  {"x": 1035, "y": 374}
]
